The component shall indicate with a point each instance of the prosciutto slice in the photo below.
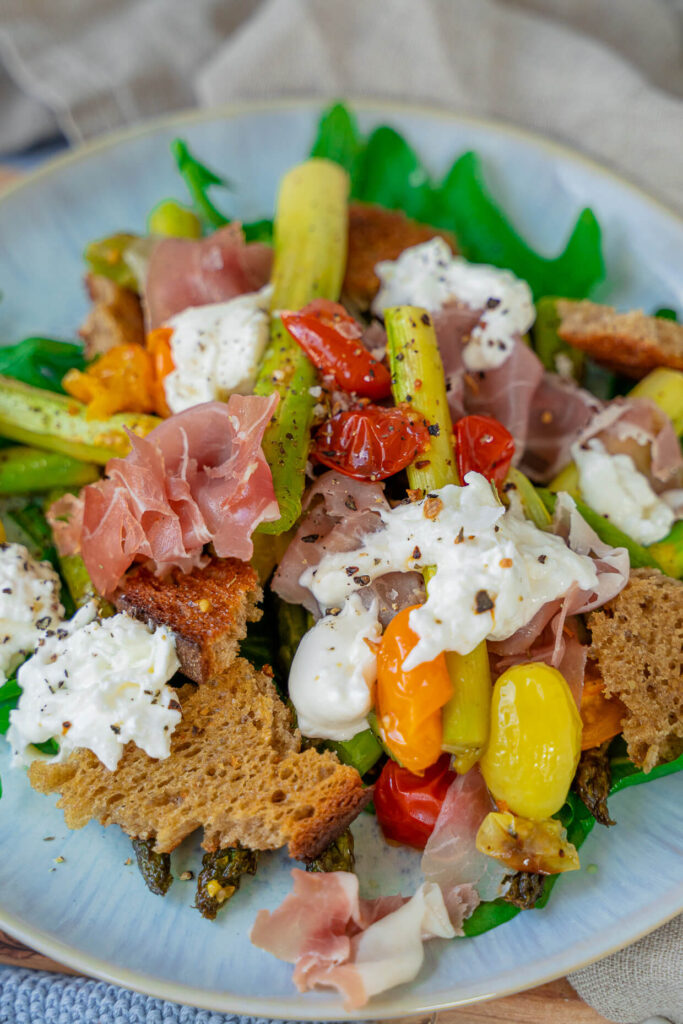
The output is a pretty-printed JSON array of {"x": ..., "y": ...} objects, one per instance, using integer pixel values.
[
  {"x": 359, "y": 947},
  {"x": 185, "y": 272},
  {"x": 551, "y": 636},
  {"x": 543, "y": 412},
  {"x": 451, "y": 859},
  {"x": 199, "y": 477},
  {"x": 341, "y": 511}
]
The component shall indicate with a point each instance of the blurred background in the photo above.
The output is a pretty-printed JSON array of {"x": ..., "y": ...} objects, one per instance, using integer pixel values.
[{"x": 603, "y": 75}]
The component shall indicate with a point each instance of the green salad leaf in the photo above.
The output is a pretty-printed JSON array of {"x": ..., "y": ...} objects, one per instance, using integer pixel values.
[
  {"x": 199, "y": 179},
  {"x": 41, "y": 362},
  {"x": 385, "y": 169}
]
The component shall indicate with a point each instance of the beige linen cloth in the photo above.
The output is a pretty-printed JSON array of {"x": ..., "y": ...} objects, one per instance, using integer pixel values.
[{"x": 605, "y": 76}]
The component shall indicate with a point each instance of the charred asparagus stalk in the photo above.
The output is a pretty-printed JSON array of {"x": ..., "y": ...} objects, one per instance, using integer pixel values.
[
  {"x": 155, "y": 868},
  {"x": 220, "y": 877}
]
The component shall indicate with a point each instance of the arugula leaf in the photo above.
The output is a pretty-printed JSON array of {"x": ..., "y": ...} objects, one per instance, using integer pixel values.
[
  {"x": 199, "y": 179},
  {"x": 386, "y": 170},
  {"x": 390, "y": 173},
  {"x": 338, "y": 138},
  {"x": 486, "y": 236},
  {"x": 41, "y": 362}
]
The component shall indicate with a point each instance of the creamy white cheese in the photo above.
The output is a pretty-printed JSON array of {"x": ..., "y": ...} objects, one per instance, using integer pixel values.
[
  {"x": 97, "y": 685},
  {"x": 430, "y": 275},
  {"x": 493, "y": 570},
  {"x": 29, "y": 605},
  {"x": 333, "y": 672},
  {"x": 612, "y": 486},
  {"x": 217, "y": 349}
]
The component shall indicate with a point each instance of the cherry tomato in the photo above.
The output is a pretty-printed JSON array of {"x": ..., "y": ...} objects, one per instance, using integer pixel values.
[
  {"x": 371, "y": 443},
  {"x": 408, "y": 704},
  {"x": 331, "y": 339},
  {"x": 485, "y": 446},
  {"x": 408, "y": 805}
]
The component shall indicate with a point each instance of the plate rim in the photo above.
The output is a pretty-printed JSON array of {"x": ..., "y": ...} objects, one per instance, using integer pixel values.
[{"x": 650, "y": 917}]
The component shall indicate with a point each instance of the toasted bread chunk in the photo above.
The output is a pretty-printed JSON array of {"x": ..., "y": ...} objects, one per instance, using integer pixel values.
[
  {"x": 629, "y": 343},
  {"x": 207, "y": 609},
  {"x": 378, "y": 234},
  {"x": 235, "y": 770},
  {"x": 115, "y": 318},
  {"x": 638, "y": 644}
]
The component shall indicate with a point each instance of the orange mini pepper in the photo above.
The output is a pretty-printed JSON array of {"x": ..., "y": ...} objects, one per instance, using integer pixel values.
[
  {"x": 409, "y": 703},
  {"x": 601, "y": 716}
]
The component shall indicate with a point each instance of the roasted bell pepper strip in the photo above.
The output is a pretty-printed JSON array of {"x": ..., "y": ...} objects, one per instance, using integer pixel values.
[
  {"x": 310, "y": 256},
  {"x": 601, "y": 716},
  {"x": 28, "y": 470},
  {"x": 59, "y": 423},
  {"x": 121, "y": 380}
]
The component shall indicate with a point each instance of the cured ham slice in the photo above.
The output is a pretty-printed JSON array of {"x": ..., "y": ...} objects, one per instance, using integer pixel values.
[
  {"x": 451, "y": 859},
  {"x": 342, "y": 510},
  {"x": 199, "y": 477},
  {"x": 359, "y": 947},
  {"x": 185, "y": 272},
  {"x": 551, "y": 636}
]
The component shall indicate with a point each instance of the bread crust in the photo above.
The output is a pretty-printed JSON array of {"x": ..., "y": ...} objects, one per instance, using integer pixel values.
[
  {"x": 375, "y": 234},
  {"x": 236, "y": 770},
  {"x": 629, "y": 343},
  {"x": 637, "y": 641},
  {"x": 206, "y": 609},
  {"x": 115, "y": 318}
]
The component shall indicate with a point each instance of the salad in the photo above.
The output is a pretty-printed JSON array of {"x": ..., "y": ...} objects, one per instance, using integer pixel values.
[{"x": 368, "y": 509}]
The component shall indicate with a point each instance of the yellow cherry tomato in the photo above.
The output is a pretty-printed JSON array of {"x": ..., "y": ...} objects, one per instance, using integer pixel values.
[
  {"x": 523, "y": 845},
  {"x": 409, "y": 704},
  {"x": 535, "y": 741}
]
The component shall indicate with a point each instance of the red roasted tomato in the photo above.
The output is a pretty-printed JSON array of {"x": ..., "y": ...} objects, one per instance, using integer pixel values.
[
  {"x": 371, "y": 443},
  {"x": 408, "y": 805},
  {"x": 483, "y": 445},
  {"x": 331, "y": 339}
]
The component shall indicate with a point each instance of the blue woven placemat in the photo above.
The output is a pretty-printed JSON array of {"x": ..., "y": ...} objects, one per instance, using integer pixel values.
[{"x": 38, "y": 997}]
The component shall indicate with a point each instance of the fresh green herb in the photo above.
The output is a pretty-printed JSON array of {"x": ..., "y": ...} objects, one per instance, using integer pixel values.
[
  {"x": 338, "y": 138},
  {"x": 41, "y": 362},
  {"x": 664, "y": 313},
  {"x": 199, "y": 179}
]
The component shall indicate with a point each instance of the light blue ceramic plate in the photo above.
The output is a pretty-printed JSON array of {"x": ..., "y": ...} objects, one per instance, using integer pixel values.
[{"x": 92, "y": 911}]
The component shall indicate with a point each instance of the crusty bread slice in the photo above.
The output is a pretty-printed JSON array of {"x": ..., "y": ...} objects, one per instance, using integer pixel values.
[
  {"x": 235, "y": 769},
  {"x": 630, "y": 343},
  {"x": 375, "y": 234},
  {"x": 115, "y": 317},
  {"x": 207, "y": 610},
  {"x": 638, "y": 644}
]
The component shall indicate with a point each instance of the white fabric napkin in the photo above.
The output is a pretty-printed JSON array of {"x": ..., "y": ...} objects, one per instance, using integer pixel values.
[{"x": 605, "y": 76}]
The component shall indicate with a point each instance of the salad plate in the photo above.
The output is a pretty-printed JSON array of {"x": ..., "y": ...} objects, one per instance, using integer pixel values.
[{"x": 77, "y": 896}]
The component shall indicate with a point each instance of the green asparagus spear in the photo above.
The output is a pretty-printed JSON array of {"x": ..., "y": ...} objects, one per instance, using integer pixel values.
[
  {"x": 27, "y": 470},
  {"x": 417, "y": 376},
  {"x": 338, "y": 856},
  {"x": 362, "y": 751},
  {"x": 220, "y": 877},
  {"x": 669, "y": 551},
  {"x": 663, "y": 386},
  {"x": 547, "y": 342},
  {"x": 310, "y": 257},
  {"x": 107, "y": 258},
  {"x": 607, "y": 532},
  {"x": 155, "y": 868},
  {"x": 173, "y": 220},
  {"x": 59, "y": 423},
  {"x": 592, "y": 781},
  {"x": 534, "y": 509}
]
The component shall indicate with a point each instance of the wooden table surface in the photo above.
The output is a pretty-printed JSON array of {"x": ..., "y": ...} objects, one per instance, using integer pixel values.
[{"x": 556, "y": 1003}]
